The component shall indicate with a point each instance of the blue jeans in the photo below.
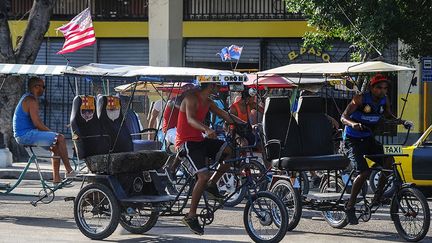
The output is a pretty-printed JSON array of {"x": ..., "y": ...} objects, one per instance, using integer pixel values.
[{"x": 45, "y": 139}]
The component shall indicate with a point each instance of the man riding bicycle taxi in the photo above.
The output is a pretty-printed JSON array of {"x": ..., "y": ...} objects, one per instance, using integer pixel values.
[
  {"x": 198, "y": 148},
  {"x": 360, "y": 118}
]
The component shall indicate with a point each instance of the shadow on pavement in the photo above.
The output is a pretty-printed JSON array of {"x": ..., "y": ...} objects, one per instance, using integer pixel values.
[
  {"x": 177, "y": 239},
  {"x": 39, "y": 221},
  {"x": 356, "y": 233}
]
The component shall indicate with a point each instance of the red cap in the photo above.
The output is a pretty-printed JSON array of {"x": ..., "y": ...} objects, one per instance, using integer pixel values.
[{"x": 378, "y": 78}]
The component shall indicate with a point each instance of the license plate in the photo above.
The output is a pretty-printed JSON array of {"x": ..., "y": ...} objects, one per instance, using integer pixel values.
[{"x": 392, "y": 149}]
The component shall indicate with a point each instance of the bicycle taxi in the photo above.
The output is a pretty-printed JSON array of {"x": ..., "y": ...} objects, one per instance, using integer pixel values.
[
  {"x": 46, "y": 193},
  {"x": 304, "y": 143},
  {"x": 130, "y": 187}
]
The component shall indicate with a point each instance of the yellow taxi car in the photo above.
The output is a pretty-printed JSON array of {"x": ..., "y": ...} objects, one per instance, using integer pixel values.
[{"x": 416, "y": 167}]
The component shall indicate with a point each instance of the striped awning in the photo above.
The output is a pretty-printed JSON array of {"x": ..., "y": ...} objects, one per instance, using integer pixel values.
[{"x": 30, "y": 69}]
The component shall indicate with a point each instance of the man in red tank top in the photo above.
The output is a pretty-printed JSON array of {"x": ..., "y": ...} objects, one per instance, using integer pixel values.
[{"x": 199, "y": 143}]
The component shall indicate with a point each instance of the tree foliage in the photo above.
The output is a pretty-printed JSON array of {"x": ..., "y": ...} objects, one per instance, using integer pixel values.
[
  {"x": 24, "y": 53},
  {"x": 368, "y": 23}
]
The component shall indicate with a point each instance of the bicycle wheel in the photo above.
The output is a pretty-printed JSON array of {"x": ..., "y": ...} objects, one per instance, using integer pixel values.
[
  {"x": 96, "y": 211},
  {"x": 336, "y": 219},
  {"x": 229, "y": 182},
  {"x": 291, "y": 199},
  {"x": 373, "y": 182},
  {"x": 410, "y": 214},
  {"x": 265, "y": 218},
  {"x": 134, "y": 220}
]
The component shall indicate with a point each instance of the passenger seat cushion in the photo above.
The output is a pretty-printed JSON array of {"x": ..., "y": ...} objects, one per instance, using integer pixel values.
[
  {"x": 87, "y": 132},
  {"x": 109, "y": 113},
  {"x": 305, "y": 163},
  {"x": 316, "y": 132},
  {"x": 277, "y": 121},
  {"x": 126, "y": 162}
]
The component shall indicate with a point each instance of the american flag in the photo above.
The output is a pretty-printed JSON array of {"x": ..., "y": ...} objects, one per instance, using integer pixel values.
[{"x": 79, "y": 32}]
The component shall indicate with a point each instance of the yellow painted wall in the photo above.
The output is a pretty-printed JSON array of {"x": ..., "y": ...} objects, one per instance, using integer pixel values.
[
  {"x": 237, "y": 29},
  {"x": 197, "y": 29},
  {"x": 412, "y": 111}
]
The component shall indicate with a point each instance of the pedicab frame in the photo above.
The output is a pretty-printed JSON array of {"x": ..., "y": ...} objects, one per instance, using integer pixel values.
[
  {"x": 328, "y": 70},
  {"x": 169, "y": 74}
]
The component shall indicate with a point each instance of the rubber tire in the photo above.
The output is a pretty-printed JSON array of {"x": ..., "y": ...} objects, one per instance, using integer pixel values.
[
  {"x": 341, "y": 185},
  {"x": 304, "y": 182},
  {"x": 389, "y": 192},
  {"x": 395, "y": 217},
  {"x": 153, "y": 218},
  {"x": 284, "y": 225},
  {"x": 234, "y": 202},
  {"x": 115, "y": 212},
  {"x": 296, "y": 216}
]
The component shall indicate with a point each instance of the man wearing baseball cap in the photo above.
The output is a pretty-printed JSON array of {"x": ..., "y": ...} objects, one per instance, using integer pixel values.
[{"x": 360, "y": 118}]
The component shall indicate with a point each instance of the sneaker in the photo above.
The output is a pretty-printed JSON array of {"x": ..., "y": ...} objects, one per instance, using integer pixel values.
[
  {"x": 352, "y": 218},
  {"x": 70, "y": 175},
  {"x": 193, "y": 224},
  {"x": 61, "y": 185},
  {"x": 213, "y": 191}
]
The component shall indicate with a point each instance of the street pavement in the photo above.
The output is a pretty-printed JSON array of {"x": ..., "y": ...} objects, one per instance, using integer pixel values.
[{"x": 21, "y": 222}]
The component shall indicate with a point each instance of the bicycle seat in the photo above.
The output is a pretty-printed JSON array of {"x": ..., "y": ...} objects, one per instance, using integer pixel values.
[{"x": 304, "y": 163}]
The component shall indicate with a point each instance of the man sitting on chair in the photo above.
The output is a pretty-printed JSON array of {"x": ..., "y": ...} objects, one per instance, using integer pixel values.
[{"x": 29, "y": 129}]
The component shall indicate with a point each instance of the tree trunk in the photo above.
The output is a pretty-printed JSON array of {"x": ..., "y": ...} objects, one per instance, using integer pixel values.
[{"x": 26, "y": 53}]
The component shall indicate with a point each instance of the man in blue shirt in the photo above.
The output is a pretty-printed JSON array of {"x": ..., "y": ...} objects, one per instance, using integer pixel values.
[
  {"x": 360, "y": 118},
  {"x": 29, "y": 129}
]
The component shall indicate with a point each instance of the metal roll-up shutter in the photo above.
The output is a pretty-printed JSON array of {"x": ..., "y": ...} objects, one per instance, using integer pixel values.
[
  {"x": 204, "y": 50},
  {"x": 124, "y": 51},
  {"x": 56, "y": 104}
]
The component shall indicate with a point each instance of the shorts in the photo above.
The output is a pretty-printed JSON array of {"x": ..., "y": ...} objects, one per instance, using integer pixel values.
[
  {"x": 45, "y": 139},
  {"x": 198, "y": 152},
  {"x": 358, "y": 147}
]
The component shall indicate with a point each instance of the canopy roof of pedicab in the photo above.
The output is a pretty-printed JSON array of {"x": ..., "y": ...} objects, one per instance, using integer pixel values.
[
  {"x": 333, "y": 69},
  {"x": 127, "y": 72},
  {"x": 156, "y": 74},
  {"x": 270, "y": 81}
]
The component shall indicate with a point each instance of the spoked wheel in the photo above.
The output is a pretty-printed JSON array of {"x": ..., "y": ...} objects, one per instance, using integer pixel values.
[
  {"x": 410, "y": 214},
  {"x": 291, "y": 199},
  {"x": 137, "y": 221},
  {"x": 336, "y": 219},
  {"x": 373, "y": 182},
  {"x": 303, "y": 180},
  {"x": 96, "y": 211},
  {"x": 265, "y": 218},
  {"x": 229, "y": 182}
]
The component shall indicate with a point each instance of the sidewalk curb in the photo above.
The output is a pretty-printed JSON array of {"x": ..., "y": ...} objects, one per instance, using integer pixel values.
[{"x": 14, "y": 173}]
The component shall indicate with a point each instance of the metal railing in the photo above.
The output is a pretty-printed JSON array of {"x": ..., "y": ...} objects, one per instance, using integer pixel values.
[
  {"x": 100, "y": 9},
  {"x": 237, "y": 10}
]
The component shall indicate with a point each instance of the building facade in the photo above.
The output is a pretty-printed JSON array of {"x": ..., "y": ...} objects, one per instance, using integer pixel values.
[{"x": 271, "y": 37}]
